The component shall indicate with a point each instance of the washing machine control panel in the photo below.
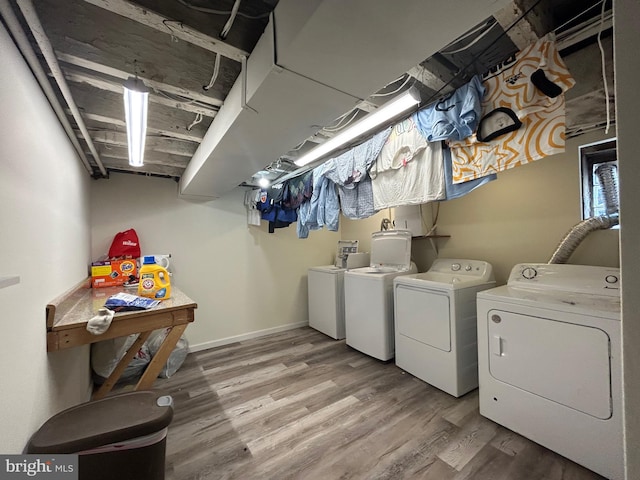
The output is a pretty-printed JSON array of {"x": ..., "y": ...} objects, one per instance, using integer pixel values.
[{"x": 463, "y": 269}]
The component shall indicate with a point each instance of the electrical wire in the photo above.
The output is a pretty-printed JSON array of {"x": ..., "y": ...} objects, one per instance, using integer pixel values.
[
  {"x": 578, "y": 16},
  {"x": 468, "y": 34},
  {"x": 214, "y": 76},
  {"x": 232, "y": 17},
  {"x": 435, "y": 216},
  {"x": 184, "y": 100},
  {"x": 340, "y": 126},
  {"x": 472, "y": 43},
  {"x": 195, "y": 122},
  {"x": 394, "y": 91},
  {"x": 221, "y": 12},
  {"x": 166, "y": 23},
  {"x": 604, "y": 68},
  {"x": 464, "y": 69}
]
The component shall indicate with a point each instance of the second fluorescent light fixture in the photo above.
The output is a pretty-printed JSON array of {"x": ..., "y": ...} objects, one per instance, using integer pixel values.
[
  {"x": 136, "y": 96},
  {"x": 391, "y": 109}
]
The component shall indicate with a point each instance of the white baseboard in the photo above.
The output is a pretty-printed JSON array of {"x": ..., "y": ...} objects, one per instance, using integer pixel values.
[{"x": 245, "y": 336}]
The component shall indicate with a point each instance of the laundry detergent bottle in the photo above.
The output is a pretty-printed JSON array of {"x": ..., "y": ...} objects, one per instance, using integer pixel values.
[{"x": 154, "y": 280}]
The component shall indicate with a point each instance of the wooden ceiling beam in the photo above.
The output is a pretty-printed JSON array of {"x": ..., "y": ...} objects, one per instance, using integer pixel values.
[
  {"x": 172, "y": 146},
  {"x": 104, "y": 38},
  {"x": 165, "y": 120},
  {"x": 111, "y": 86},
  {"x": 522, "y": 33},
  {"x": 151, "y": 157},
  {"x": 105, "y": 120},
  {"x": 170, "y": 26},
  {"x": 154, "y": 85},
  {"x": 123, "y": 166},
  {"x": 429, "y": 79}
]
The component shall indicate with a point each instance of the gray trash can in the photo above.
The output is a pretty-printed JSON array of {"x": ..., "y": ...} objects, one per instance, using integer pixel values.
[{"x": 116, "y": 438}]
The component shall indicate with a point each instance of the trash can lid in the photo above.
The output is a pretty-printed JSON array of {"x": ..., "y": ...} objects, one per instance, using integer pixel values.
[{"x": 113, "y": 419}]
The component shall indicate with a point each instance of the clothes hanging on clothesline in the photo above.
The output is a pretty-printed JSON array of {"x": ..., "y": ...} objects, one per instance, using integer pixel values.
[
  {"x": 523, "y": 114},
  {"x": 251, "y": 199},
  {"x": 350, "y": 174},
  {"x": 454, "y": 116},
  {"x": 297, "y": 190},
  {"x": 270, "y": 206},
  {"x": 457, "y": 190},
  {"x": 519, "y": 120},
  {"x": 323, "y": 208},
  {"x": 408, "y": 170}
]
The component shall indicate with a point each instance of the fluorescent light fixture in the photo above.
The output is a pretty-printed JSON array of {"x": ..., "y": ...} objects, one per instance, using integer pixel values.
[
  {"x": 136, "y": 96},
  {"x": 264, "y": 182},
  {"x": 391, "y": 109}
]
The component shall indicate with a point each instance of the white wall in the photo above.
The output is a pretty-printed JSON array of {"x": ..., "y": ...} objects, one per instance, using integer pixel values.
[
  {"x": 45, "y": 240},
  {"x": 626, "y": 40},
  {"x": 243, "y": 278}
]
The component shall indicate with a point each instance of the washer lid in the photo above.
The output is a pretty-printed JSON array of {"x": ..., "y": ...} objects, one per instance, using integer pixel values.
[
  {"x": 332, "y": 269},
  {"x": 391, "y": 250}
]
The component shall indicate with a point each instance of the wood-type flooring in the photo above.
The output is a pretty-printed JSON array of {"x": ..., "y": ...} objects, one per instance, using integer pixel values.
[{"x": 300, "y": 405}]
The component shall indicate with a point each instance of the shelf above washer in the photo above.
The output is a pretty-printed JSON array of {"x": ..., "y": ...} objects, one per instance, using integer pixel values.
[{"x": 432, "y": 239}]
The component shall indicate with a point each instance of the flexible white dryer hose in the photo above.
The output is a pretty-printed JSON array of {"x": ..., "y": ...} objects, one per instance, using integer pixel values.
[{"x": 579, "y": 232}]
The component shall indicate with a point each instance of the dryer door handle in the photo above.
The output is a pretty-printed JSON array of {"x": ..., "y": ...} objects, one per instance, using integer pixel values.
[{"x": 497, "y": 345}]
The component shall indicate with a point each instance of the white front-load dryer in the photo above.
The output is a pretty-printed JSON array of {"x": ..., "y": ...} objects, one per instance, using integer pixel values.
[
  {"x": 435, "y": 323},
  {"x": 549, "y": 360},
  {"x": 368, "y": 294}
]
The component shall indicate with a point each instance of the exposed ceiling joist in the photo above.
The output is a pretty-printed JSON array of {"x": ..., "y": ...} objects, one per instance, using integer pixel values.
[
  {"x": 103, "y": 37},
  {"x": 159, "y": 144},
  {"x": 150, "y": 157},
  {"x": 155, "y": 85},
  {"x": 118, "y": 165},
  {"x": 159, "y": 117},
  {"x": 111, "y": 86},
  {"x": 191, "y": 137},
  {"x": 33, "y": 21},
  {"x": 169, "y": 26},
  {"x": 174, "y": 47},
  {"x": 522, "y": 33},
  {"x": 429, "y": 79}
]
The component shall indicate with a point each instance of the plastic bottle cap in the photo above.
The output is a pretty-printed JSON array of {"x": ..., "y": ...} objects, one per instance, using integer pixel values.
[{"x": 149, "y": 259}]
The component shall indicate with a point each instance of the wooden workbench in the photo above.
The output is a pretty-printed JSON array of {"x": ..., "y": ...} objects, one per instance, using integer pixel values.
[{"x": 67, "y": 318}]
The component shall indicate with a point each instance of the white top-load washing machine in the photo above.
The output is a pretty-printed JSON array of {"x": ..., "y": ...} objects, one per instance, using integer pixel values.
[
  {"x": 326, "y": 289},
  {"x": 550, "y": 364},
  {"x": 435, "y": 320},
  {"x": 369, "y": 294}
]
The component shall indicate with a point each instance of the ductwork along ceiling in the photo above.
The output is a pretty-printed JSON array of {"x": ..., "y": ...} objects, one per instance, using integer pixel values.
[{"x": 239, "y": 87}]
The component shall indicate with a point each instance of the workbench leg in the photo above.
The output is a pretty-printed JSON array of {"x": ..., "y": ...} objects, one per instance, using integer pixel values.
[
  {"x": 160, "y": 358},
  {"x": 122, "y": 364}
]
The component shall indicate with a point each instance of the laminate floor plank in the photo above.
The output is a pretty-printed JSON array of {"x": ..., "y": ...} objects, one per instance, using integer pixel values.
[{"x": 300, "y": 405}]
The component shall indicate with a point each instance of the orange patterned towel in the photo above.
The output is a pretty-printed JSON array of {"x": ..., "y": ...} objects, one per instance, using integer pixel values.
[{"x": 529, "y": 87}]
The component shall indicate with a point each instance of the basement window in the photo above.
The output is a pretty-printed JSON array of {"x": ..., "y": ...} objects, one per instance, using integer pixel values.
[{"x": 593, "y": 156}]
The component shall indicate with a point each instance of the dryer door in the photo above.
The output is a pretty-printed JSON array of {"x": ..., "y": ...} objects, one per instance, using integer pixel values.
[
  {"x": 423, "y": 315},
  {"x": 562, "y": 362}
]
